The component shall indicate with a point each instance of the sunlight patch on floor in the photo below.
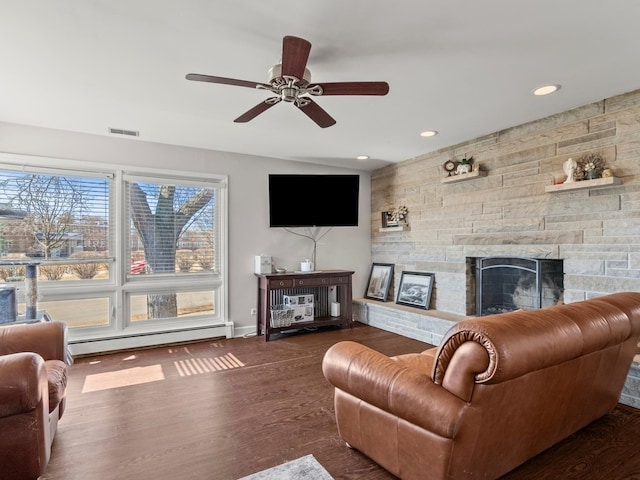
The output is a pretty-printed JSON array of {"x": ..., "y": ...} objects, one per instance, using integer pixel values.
[
  {"x": 195, "y": 366},
  {"x": 122, "y": 378}
]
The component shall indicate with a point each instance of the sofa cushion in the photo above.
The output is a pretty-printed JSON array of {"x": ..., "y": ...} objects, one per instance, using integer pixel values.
[{"x": 57, "y": 378}]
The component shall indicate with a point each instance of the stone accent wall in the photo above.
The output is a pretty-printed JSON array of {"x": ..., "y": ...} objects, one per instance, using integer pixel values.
[{"x": 508, "y": 212}]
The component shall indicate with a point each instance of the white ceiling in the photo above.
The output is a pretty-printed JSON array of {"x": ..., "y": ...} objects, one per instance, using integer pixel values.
[{"x": 463, "y": 67}]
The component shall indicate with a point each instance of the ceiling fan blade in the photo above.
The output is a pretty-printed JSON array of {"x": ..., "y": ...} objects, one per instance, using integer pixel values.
[
  {"x": 257, "y": 110},
  {"x": 226, "y": 81},
  {"x": 295, "y": 53},
  {"x": 316, "y": 113},
  {"x": 354, "y": 88}
]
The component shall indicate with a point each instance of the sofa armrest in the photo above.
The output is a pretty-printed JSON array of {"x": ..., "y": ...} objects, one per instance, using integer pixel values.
[
  {"x": 23, "y": 383},
  {"x": 47, "y": 339},
  {"x": 393, "y": 387}
]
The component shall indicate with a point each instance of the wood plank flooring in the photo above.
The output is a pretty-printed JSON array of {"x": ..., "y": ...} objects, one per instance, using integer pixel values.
[{"x": 222, "y": 409}]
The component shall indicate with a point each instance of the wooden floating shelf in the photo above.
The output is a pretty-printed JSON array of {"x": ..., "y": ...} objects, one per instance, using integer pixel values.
[
  {"x": 398, "y": 228},
  {"x": 582, "y": 184},
  {"x": 464, "y": 176}
]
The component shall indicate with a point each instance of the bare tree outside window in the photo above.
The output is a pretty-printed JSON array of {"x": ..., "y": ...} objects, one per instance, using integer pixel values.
[
  {"x": 50, "y": 202},
  {"x": 160, "y": 214}
]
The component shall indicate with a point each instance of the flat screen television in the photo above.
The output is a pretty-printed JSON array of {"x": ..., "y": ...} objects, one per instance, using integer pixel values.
[{"x": 313, "y": 200}]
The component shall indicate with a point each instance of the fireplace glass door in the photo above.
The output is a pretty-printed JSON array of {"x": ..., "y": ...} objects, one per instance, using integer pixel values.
[{"x": 506, "y": 284}]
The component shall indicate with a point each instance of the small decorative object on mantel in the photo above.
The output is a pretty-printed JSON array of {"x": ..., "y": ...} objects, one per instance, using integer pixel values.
[
  {"x": 590, "y": 167},
  {"x": 400, "y": 214},
  {"x": 450, "y": 167},
  {"x": 395, "y": 218},
  {"x": 464, "y": 166},
  {"x": 387, "y": 220},
  {"x": 569, "y": 167}
]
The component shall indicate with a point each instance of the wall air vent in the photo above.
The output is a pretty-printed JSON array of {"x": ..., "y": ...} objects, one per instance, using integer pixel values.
[{"x": 120, "y": 131}]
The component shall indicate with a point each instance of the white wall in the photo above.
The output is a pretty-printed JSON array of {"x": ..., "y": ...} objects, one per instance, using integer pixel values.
[{"x": 249, "y": 232}]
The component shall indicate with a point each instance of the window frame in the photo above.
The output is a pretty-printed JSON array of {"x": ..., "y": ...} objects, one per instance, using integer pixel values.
[{"x": 120, "y": 286}]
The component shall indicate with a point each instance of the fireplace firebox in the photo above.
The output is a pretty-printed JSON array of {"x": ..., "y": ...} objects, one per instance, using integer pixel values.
[{"x": 505, "y": 284}]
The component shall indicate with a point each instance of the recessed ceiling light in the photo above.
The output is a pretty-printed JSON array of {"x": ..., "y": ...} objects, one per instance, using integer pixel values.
[
  {"x": 546, "y": 90},
  {"x": 362, "y": 157},
  {"x": 428, "y": 133}
]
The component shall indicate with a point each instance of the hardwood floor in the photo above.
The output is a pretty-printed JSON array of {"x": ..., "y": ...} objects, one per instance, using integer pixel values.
[{"x": 222, "y": 409}]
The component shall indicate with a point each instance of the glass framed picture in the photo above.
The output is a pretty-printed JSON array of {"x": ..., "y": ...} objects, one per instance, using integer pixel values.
[
  {"x": 379, "y": 281},
  {"x": 415, "y": 289}
]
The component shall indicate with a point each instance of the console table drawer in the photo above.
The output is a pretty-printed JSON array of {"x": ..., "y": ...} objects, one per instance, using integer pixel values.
[
  {"x": 339, "y": 280},
  {"x": 281, "y": 283},
  {"x": 312, "y": 282}
]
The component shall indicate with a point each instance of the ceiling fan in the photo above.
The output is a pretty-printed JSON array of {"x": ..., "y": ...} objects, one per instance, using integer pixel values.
[{"x": 290, "y": 81}]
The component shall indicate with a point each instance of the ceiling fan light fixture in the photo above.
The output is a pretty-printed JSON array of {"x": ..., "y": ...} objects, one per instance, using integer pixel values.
[
  {"x": 545, "y": 90},
  {"x": 428, "y": 133}
]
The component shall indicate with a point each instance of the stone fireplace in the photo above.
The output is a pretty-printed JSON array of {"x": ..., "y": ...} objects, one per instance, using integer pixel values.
[
  {"x": 504, "y": 284},
  {"x": 511, "y": 212}
]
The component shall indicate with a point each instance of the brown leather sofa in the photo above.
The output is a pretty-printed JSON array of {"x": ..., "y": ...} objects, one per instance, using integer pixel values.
[
  {"x": 496, "y": 392},
  {"x": 33, "y": 380}
]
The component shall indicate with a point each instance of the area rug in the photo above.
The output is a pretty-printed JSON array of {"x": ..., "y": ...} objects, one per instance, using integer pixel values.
[{"x": 303, "y": 468}]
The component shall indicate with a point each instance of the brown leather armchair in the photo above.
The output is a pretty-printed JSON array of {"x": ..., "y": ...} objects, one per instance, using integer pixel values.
[
  {"x": 33, "y": 380},
  {"x": 496, "y": 392}
]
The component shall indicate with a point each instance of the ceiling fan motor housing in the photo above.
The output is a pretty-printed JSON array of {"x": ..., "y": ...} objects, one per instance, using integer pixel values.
[{"x": 275, "y": 76}]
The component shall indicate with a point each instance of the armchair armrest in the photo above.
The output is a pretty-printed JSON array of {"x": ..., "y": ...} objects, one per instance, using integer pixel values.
[
  {"x": 23, "y": 383},
  {"x": 47, "y": 339},
  {"x": 393, "y": 387}
]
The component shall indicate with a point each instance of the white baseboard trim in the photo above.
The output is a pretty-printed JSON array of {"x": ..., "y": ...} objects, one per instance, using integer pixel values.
[{"x": 87, "y": 347}]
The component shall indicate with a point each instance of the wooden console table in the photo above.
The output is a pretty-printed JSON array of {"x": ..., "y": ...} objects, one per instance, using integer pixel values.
[{"x": 326, "y": 286}]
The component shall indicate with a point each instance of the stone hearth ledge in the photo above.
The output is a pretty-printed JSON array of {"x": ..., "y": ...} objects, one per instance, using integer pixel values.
[{"x": 430, "y": 326}]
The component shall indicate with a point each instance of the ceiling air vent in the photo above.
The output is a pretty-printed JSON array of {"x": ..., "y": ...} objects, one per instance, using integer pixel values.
[{"x": 120, "y": 131}]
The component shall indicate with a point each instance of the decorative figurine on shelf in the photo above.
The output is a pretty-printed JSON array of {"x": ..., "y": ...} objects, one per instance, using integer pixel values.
[
  {"x": 606, "y": 173},
  {"x": 464, "y": 166},
  {"x": 569, "y": 167}
]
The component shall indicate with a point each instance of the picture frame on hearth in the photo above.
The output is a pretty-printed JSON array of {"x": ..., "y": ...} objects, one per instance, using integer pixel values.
[
  {"x": 415, "y": 289},
  {"x": 379, "y": 281}
]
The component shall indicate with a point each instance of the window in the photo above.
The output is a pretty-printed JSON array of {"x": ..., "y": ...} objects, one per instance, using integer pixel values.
[
  {"x": 172, "y": 228},
  {"x": 172, "y": 242},
  {"x": 61, "y": 221},
  {"x": 163, "y": 271}
]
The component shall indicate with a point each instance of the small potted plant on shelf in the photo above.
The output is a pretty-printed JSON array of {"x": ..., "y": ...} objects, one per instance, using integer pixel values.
[{"x": 590, "y": 166}]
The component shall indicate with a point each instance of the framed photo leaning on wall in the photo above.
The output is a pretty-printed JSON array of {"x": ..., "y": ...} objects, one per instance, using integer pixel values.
[
  {"x": 415, "y": 289},
  {"x": 379, "y": 281}
]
